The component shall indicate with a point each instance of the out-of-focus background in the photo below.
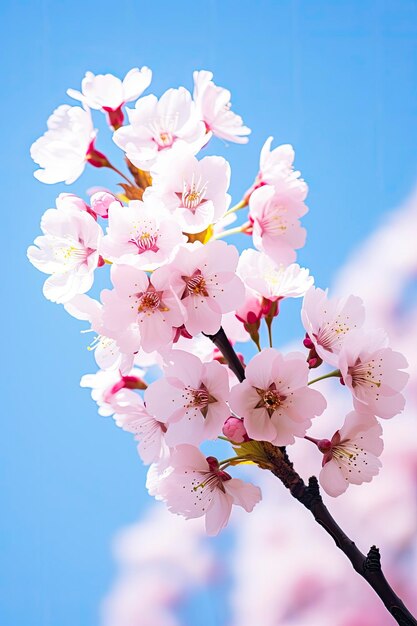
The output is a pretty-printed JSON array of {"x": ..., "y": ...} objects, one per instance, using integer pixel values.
[{"x": 339, "y": 82}]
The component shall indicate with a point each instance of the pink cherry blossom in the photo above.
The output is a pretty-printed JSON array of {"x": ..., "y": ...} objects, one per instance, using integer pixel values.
[
  {"x": 199, "y": 345},
  {"x": 108, "y": 93},
  {"x": 190, "y": 399},
  {"x": 329, "y": 321},
  {"x": 274, "y": 213},
  {"x": 106, "y": 389},
  {"x": 143, "y": 234},
  {"x": 71, "y": 201},
  {"x": 373, "y": 373},
  {"x": 269, "y": 280},
  {"x": 194, "y": 191},
  {"x": 252, "y": 309},
  {"x": 194, "y": 486},
  {"x": 68, "y": 250},
  {"x": 351, "y": 456},
  {"x": 62, "y": 151},
  {"x": 234, "y": 329},
  {"x": 274, "y": 400},
  {"x": 106, "y": 351},
  {"x": 204, "y": 278},
  {"x": 132, "y": 416},
  {"x": 276, "y": 167},
  {"x": 214, "y": 107},
  {"x": 156, "y": 125},
  {"x": 139, "y": 311}
]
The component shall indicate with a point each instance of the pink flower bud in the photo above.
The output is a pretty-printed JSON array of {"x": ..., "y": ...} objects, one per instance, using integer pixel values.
[
  {"x": 308, "y": 343},
  {"x": 212, "y": 463},
  {"x": 251, "y": 311},
  {"x": 101, "y": 201},
  {"x": 235, "y": 430}
]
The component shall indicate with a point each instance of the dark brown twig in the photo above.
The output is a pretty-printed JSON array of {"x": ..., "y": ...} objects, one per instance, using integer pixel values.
[{"x": 368, "y": 566}]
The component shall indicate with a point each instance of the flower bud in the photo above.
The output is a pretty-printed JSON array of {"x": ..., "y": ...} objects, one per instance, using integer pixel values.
[
  {"x": 101, "y": 201},
  {"x": 96, "y": 158},
  {"x": 115, "y": 117},
  {"x": 235, "y": 430}
]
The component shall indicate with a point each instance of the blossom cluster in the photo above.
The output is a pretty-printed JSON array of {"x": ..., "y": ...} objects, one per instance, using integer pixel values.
[{"x": 174, "y": 283}]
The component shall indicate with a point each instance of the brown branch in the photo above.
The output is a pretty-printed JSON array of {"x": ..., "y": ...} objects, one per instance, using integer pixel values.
[
  {"x": 368, "y": 566},
  {"x": 223, "y": 344}
]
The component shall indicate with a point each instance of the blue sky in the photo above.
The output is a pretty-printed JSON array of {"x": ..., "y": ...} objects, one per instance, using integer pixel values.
[{"x": 338, "y": 80}]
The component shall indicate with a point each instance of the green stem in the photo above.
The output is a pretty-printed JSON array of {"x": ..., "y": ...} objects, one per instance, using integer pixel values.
[
  {"x": 232, "y": 231},
  {"x": 335, "y": 373},
  {"x": 232, "y": 460},
  {"x": 237, "y": 207}
]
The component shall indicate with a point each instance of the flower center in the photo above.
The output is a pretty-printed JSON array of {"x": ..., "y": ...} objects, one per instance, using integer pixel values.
[
  {"x": 103, "y": 342},
  {"x": 149, "y": 301},
  {"x": 195, "y": 285},
  {"x": 365, "y": 374},
  {"x": 147, "y": 242},
  {"x": 193, "y": 194},
  {"x": 274, "y": 222},
  {"x": 163, "y": 131},
  {"x": 269, "y": 399},
  {"x": 200, "y": 398},
  {"x": 331, "y": 333},
  {"x": 72, "y": 254}
]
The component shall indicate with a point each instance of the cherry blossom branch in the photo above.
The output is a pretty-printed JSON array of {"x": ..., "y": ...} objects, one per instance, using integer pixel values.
[
  {"x": 223, "y": 344},
  {"x": 276, "y": 460}
]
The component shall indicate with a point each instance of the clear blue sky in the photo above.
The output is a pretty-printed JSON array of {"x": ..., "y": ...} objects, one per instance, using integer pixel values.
[{"x": 338, "y": 80}]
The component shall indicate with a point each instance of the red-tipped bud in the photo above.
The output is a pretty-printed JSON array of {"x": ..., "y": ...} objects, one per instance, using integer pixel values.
[
  {"x": 234, "y": 429},
  {"x": 115, "y": 117},
  {"x": 212, "y": 463},
  {"x": 125, "y": 382},
  {"x": 308, "y": 343},
  {"x": 100, "y": 261},
  {"x": 96, "y": 158}
]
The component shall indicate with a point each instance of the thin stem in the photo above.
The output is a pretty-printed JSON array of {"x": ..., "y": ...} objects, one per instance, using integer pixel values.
[
  {"x": 237, "y": 207},
  {"x": 329, "y": 375},
  {"x": 223, "y": 438},
  {"x": 315, "y": 441},
  {"x": 234, "y": 460},
  {"x": 269, "y": 326},
  {"x": 232, "y": 231},
  {"x": 257, "y": 344},
  {"x": 111, "y": 167}
]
